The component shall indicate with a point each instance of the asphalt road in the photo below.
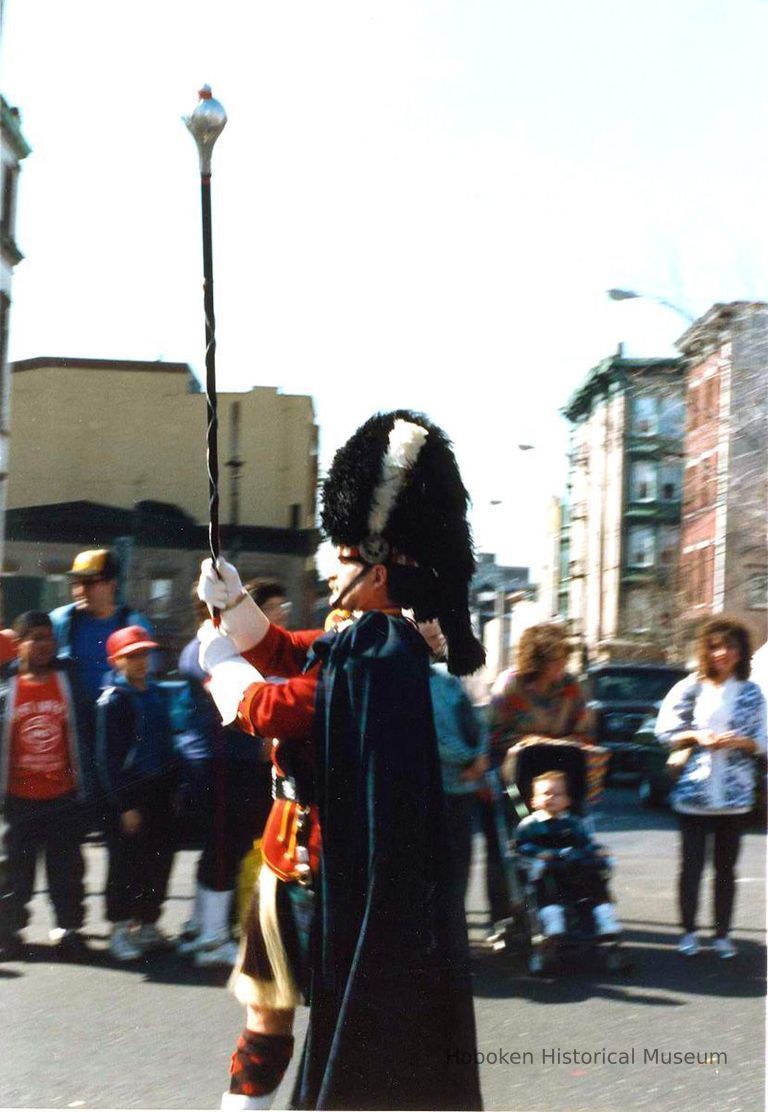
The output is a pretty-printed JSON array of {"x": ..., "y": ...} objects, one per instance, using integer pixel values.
[{"x": 159, "y": 1034}]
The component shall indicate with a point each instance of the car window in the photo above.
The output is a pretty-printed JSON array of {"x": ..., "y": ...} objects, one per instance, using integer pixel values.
[{"x": 628, "y": 687}]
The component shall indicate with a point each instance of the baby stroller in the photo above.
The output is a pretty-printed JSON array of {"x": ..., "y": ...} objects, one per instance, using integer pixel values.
[{"x": 526, "y": 931}]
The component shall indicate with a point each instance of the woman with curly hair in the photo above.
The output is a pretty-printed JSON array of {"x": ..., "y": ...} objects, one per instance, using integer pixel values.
[
  {"x": 537, "y": 701},
  {"x": 719, "y": 715}
]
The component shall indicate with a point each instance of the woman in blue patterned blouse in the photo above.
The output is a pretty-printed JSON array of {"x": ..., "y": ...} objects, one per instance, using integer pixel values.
[{"x": 720, "y": 715}]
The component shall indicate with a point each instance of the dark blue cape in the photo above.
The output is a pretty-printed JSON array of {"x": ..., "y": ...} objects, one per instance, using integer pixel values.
[{"x": 391, "y": 998}]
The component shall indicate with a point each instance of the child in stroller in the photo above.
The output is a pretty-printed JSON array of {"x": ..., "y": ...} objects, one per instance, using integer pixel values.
[{"x": 564, "y": 870}]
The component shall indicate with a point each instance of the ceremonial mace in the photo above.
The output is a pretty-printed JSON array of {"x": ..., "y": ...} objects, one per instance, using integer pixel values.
[{"x": 206, "y": 124}]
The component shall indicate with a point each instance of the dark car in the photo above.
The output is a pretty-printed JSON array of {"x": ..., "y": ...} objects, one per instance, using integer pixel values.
[
  {"x": 621, "y": 697},
  {"x": 654, "y": 784}
]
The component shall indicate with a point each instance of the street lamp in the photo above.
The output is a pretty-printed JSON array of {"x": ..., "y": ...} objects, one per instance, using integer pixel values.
[{"x": 631, "y": 295}]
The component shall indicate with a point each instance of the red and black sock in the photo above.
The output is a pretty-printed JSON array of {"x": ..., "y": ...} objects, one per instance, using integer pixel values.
[{"x": 259, "y": 1063}]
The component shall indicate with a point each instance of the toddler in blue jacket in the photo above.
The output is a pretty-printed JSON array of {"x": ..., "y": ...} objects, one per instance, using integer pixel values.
[{"x": 565, "y": 864}]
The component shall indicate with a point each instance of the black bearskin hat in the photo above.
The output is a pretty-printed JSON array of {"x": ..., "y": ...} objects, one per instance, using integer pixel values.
[{"x": 395, "y": 493}]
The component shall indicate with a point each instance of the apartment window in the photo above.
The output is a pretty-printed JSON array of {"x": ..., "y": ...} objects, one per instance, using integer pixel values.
[
  {"x": 638, "y": 611},
  {"x": 10, "y": 176},
  {"x": 707, "y": 484},
  {"x": 642, "y": 483},
  {"x": 640, "y": 546},
  {"x": 757, "y": 590},
  {"x": 671, "y": 416},
  {"x": 644, "y": 409},
  {"x": 668, "y": 543},
  {"x": 670, "y": 482},
  {"x": 711, "y": 397}
]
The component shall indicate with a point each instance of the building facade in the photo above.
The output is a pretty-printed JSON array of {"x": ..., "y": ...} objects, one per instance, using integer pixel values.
[
  {"x": 113, "y": 452},
  {"x": 620, "y": 526},
  {"x": 724, "y": 533},
  {"x": 13, "y": 150}
]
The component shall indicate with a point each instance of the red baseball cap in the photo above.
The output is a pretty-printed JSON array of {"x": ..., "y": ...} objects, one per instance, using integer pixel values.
[{"x": 130, "y": 639}]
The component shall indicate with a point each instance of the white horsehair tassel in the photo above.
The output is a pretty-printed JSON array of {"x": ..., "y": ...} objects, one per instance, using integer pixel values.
[{"x": 405, "y": 442}]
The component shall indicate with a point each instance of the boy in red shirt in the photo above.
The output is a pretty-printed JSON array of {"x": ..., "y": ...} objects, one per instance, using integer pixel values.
[{"x": 43, "y": 774}]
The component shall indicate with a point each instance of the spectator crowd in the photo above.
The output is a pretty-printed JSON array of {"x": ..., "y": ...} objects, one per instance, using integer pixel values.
[{"x": 91, "y": 742}]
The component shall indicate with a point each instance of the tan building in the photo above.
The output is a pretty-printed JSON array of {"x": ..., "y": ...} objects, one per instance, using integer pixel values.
[{"x": 108, "y": 449}]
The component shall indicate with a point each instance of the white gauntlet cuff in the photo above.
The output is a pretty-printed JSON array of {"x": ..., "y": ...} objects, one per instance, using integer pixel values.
[
  {"x": 229, "y": 681},
  {"x": 244, "y": 623}
]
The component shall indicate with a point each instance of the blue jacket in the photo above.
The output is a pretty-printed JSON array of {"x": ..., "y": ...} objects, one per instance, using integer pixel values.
[
  {"x": 119, "y": 741},
  {"x": 722, "y": 780},
  {"x": 80, "y": 729},
  {"x": 462, "y": 735},
  {"x": 65, "y": 621}
]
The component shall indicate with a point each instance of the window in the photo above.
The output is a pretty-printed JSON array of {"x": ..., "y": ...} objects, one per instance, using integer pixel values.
[
  {"x": 160, "y": 596},
  {"x": 707, "y": 484},
  {"x": 644, "y": 414},
  {"x": 671, "y": 416},
  {"x": 668, "y": 543},
  {"x": 757, "y": 590},
  {"x": 670, "y": 482},
  {"x": 711, "y": 395},
  {"x": 640, "y": 547},
  {"x": 10, "y": 174},
  {"x": 637, "y": 611},
  {"x": 56, "y": 592},
  {"x": 642, "y": 484}
]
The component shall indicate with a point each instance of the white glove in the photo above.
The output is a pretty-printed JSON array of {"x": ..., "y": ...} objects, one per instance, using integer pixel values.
[
  {"x": 241, "y": 618},
  {"x": 220, "y": 590},
  {"x": 231, "y": 676}
]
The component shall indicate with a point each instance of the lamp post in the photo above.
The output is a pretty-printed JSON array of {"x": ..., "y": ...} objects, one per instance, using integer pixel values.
[
  {"x": 206, "y": 124},
  {"x": 632, "y": 295}
]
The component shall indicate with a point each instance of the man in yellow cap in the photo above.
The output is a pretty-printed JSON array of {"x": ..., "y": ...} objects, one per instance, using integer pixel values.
[{"x": 83, "y": 626}]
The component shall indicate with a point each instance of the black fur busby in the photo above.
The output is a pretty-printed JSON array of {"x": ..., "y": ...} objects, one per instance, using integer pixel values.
[{"x": 394, "y": 491}]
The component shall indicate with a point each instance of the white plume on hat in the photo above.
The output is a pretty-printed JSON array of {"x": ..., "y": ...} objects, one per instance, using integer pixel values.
[{"x": 405, "y": 442}]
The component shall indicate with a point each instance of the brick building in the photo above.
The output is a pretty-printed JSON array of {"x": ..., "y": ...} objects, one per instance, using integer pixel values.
[{"x": 724, "y": 530}]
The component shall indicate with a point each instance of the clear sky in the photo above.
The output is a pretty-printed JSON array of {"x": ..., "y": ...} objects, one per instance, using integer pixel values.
[{"x": 415, "y": 203}]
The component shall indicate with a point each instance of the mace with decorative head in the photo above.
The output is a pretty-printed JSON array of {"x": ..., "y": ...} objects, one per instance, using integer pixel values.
[{"x": 206, "y": 124}]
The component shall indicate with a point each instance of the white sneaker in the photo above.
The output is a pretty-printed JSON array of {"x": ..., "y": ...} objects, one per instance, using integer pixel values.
[
  {"x": 220, "y": 950},
  {"x": 606, "y": 922},
  {"x": 121, "y": 945},
  {"x": 724, "y": 948},
  {"x": 552, "y": 919},
  {"x": 149, "y": 937},
  {"x": 234, "y": 1102},
  {"x": 689, "y": 945}
]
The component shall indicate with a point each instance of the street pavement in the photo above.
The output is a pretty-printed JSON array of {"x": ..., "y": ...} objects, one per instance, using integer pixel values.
[{"x": 159, "y": 1034}]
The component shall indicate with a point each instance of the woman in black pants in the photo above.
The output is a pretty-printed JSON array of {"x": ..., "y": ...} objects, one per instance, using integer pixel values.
[{"x": 720, "y": 716}]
